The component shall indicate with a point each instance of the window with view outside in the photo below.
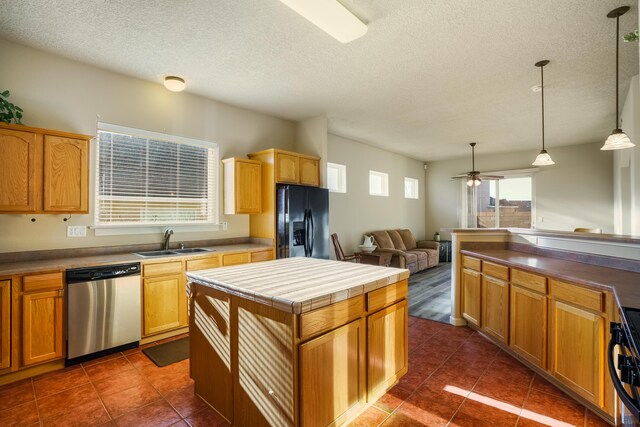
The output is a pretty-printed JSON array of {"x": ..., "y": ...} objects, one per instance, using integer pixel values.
[
  {"x": 149, "y": 179},
  {"x": 503, "y": 203}
]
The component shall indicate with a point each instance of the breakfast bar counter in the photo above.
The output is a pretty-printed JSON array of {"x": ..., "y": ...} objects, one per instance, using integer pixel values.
[{"x": 297, "y": 341}]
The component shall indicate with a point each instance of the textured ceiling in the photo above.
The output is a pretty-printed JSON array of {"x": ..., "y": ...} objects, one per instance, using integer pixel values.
[{"x": 426, "y": 79}]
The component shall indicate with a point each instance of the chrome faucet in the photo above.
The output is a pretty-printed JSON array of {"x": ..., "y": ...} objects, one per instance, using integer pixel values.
[{"x": 165, "y": 240}]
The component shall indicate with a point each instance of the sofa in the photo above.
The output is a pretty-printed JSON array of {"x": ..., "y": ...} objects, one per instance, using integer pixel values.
[{"x": 406, "y": 251}]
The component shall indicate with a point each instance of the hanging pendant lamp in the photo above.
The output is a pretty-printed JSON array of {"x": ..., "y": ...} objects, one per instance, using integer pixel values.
[
  {"x": 618, "y": 139},
  {"x": 543, "y": 159}
]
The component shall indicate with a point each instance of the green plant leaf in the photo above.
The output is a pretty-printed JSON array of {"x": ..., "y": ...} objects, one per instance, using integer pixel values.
[{"x": 5, "y": 93}]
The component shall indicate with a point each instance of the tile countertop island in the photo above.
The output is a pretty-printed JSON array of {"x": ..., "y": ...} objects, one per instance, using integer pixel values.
[{"x": 297, "y": 341}]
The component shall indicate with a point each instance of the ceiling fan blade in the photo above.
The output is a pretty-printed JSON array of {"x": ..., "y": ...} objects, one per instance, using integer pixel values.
[
  {"x": 462, "y": 175},
  {"x": 491, "y": 177}
]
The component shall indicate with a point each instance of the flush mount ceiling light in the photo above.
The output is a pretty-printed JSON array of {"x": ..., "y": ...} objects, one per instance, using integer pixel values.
[
  {"x": 618, "y": 139},
  {"x": 174, "y": 83},
  {"x": 331, "y": 17},
  {"x": 543, "y": 159}
]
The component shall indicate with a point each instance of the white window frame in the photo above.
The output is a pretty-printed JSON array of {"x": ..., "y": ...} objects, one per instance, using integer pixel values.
[
  {"x": 210, "y": 224},
  {"x": 341, "y": 171},
  {"x": 385, "y": 183},
  {"x": 515, "y": 173},
  {"x": 415, "y": 184}
]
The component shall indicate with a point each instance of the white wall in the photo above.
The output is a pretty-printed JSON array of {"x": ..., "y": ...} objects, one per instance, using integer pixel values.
[
  {"x": 575, "y": 192},
  {"x": 58, "y": 93},
  {"x": 356, "y": 212},
  {"x": 626, "y": 167}
]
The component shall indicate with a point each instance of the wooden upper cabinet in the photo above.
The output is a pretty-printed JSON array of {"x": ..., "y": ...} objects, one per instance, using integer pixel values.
[
  {"x": 242, "y": 186},
  {"x": 287, "y": 168},
  {"x": 20, "y": 162},
  {"x": 66, "y": 174},
  {"x": 43, "y": 170},
  {"x": 310, "y": 171}
]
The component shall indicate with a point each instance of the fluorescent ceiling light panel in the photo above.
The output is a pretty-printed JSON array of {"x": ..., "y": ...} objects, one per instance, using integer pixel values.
[{"x": 331, "y": 17}]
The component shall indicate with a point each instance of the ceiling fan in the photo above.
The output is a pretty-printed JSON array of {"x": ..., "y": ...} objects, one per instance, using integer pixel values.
[{"x": 474, "y": 178}]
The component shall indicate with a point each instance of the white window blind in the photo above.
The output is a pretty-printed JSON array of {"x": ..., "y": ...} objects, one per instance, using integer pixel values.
[{"x": 147, "y": 178}]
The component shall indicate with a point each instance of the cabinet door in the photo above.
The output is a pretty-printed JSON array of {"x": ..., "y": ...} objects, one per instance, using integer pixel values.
[
  {"x": 165, "y": 303},
  {"x": 20, "y": 157},
  {"x": 309, "y": 171},
  {"x": 333, "y": 393},
  {"x": 528, "y": 325},
  {"x": 471, "y": 296},
  {"x": 577, "y": 349},
  {"x": 248, "y": 188},
  {"x": 495, "y": 307},
  {"x": 5, "y": 324},
  {"x": 387, "y": 352},
  {"x": 287, "y": 169},
  {"x": 42, "y": 327},
  {"x": 66, "y": 174},
  {"x": 235, "y": 259}
]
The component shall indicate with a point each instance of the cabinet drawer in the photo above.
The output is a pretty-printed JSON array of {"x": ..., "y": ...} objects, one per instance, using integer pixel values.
[
  {"x": 529, "y": 280},
  {"x": 495, "y": 270},
  {"x": 234, "y": 259},
  {"x": 41, "y": 282},
  {"x": 330, "y": 317},
  {"x": 203, "y": 263},
  {"x": 471, "y": 263},
  {"x": 262, "y": 255},
  {"x": 383, "y": 297},
  {"x": 587, "y": 298},
  {"x": 173, "y": 267}
]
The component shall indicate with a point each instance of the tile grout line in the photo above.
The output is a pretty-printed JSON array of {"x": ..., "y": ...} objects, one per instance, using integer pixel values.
[
  {"x": 97, "y": 394},
  {"x": 35, "y": 399},
  {"x": 526, "y": 399}
]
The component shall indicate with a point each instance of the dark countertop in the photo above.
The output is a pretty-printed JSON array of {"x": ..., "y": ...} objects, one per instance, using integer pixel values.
[
  {"x": 624, "y": 284},
  {"x": 40, "y": 265}
]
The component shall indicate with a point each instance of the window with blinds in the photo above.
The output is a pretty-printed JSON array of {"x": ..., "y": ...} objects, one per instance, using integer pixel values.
[{"x": 146, "y": 178}]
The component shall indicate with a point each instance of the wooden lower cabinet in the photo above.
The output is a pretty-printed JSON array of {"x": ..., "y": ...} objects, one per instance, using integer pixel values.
[
  {"x": 495, "y": 308},
  {"x": 235, "y": 259},
  {"x": 165, "y": 303},
  {"x": 329, "y": 395},
  {"x": 43, "y": 334},
  {"x": 387, "y": 343},
  {"x": 577, "y": 349},
  {"x": 471, "y": 296},
  {"x": 5, "y": 324},
  {"x": 528, "y": 325}
]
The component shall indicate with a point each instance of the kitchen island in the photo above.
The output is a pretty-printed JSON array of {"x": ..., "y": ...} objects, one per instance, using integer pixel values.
[{"x": 297, "y": 341}]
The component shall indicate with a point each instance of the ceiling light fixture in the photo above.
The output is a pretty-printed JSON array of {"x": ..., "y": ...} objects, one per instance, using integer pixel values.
[
  {"x": 543, "y": 159},
  {"x": 618, "y": 139},
  {"x": 174, "y": 83},
  {"x": 331, "y": 17},
  {"x": 473, "y": 179}
]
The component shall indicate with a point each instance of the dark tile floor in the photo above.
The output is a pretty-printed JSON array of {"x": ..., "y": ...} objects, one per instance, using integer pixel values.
[{"x": 455, "y": 378}]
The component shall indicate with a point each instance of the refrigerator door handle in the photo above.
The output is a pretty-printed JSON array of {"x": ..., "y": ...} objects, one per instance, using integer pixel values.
[
  {"x": 306, "y": 232},
  {"x": 311, "y": 232}
]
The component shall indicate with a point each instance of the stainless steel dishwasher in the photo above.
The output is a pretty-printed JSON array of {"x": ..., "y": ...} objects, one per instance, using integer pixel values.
[{"x": 103, "y": 310}]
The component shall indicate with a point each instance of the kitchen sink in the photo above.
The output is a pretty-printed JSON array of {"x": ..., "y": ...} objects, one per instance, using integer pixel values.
[
  {"x": 191, "y": 250},
  {"x": 151, "y": 254},
  {"x": 155, "y": 253}
]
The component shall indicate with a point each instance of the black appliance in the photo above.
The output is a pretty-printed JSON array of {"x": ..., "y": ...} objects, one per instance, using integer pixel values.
[
  {"x": 626, "y": 335},
  {"x": 302, "y": 221}
]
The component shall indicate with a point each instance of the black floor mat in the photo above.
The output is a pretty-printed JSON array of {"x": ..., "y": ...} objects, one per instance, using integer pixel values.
[{"x": 169, "y": 352}]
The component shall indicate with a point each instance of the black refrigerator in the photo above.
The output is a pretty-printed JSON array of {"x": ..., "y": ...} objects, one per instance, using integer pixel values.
[{"x": 302, "y": 221}]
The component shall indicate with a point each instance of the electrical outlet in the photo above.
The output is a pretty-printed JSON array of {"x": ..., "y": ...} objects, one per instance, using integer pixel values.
[
  {"x": 225, "y": 226},
  {"x": 76, "y": 231},
  {"x": 540, "y": 219}
]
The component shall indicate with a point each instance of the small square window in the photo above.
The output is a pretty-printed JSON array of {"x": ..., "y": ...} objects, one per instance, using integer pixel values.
[
  {"x": 378, "y": 183},
  {"x": 411, "y": 188},
  {"x": 336, "y": 178}
]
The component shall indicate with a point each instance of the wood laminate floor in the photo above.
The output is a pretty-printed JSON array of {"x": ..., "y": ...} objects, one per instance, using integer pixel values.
[{"x": 430, "y": 293}]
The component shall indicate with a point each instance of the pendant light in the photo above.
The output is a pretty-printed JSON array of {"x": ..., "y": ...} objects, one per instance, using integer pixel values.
[
  {"x": 618, "y": 139},
  {"x": 543, "y": 159}
]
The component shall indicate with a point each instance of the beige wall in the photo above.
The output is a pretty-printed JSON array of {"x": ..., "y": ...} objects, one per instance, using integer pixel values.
[
  {"x": 59, "y": 93},
  {"x": 575, "y": 192},
  {"x": 626, "y": 167},
  {"x": 356, "y": 212}
]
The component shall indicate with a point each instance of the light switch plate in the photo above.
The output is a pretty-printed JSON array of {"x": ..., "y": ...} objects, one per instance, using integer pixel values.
[{"x": 76, "y": 231}]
